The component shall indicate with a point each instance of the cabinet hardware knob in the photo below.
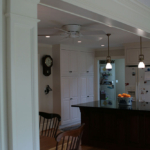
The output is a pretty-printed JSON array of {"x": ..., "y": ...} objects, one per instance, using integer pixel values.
[
  {"x": 70, "y": 71},
  {"x": 71, "y": 98},
  {"x": 87, "y": 71},
  {"x": 87, "y": 96}
]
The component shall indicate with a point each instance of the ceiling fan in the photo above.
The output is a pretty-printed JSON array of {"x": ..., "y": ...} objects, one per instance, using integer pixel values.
[{"x": 74, "y": 31}]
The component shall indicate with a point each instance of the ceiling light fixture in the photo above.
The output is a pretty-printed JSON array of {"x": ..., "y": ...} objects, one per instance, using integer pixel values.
[
  {"x": 100, "y": 38},
  {"x": 79, "y": 41},
  {"x": 108, "y": 59},
  {"x": 47, "y": 36},
  {"x": 141, "y": 56},
  {"x": 102, "y": 45}
]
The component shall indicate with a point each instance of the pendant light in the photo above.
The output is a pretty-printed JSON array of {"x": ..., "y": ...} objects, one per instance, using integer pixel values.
[
  {"x": 108, "y": 59},
  {"x": 141, "y": 56}
]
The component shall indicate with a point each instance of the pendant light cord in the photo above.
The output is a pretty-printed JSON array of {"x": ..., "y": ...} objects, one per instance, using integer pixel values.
[
  {"x": 108, "y": 43},
  {"x": 141, "y": 44}
]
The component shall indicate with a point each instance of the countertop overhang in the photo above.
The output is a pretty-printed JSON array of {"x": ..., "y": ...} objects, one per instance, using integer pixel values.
[{"x": 136, "y": 106}]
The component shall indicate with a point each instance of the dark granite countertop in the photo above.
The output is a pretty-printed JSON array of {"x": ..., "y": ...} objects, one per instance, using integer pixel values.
[{"x": 137, "y": 106}]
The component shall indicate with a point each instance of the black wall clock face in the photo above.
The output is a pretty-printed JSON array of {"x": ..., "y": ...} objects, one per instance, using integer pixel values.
[{"x": 47, "y": 62}]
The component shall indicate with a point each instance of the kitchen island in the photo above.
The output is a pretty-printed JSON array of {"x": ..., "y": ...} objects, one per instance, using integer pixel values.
[{"x": 115, "y": 128}]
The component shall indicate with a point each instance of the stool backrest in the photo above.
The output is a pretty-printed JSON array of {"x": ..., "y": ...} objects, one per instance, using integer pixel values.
[
  {"x": 48, "y": 124},
  {"x": 70, "y": 139}
]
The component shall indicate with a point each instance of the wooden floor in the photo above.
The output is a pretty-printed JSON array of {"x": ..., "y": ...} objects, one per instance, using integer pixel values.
[{"x": 47, "y": 143}]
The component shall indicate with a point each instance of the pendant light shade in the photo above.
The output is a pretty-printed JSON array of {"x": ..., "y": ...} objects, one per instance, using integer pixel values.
[
  {"x": 108, "y": 59},
  {"x": 141, "y": 56},
  {"x": 108, "y": 66},
  {"x": 141, "y": 65}
]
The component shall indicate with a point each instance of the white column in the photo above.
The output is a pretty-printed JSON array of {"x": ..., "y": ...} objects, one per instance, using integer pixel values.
[
  {"x": 22, "y": 74},
  {"x": 3, "y": 100}
]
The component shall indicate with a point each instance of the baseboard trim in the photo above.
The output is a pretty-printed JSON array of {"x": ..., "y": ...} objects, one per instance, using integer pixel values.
[{"x": 69, "y": 124}]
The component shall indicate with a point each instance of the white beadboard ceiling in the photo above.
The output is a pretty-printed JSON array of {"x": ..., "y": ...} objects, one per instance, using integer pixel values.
[
  {"x": 51, "y": 18},
  {"x": 145, "y": 2}
]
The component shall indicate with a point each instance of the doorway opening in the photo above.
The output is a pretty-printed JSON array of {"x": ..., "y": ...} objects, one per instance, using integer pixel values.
[{"x": 111, "y": 81}]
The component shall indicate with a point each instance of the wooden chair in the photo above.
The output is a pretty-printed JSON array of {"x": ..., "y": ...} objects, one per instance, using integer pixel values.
[
  {"x": 49, "y": 124},
  {"x": 72, "y": 139}
]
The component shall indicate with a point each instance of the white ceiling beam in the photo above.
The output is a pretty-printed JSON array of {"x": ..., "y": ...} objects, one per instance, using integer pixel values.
[{"x": 127, "y": 15}]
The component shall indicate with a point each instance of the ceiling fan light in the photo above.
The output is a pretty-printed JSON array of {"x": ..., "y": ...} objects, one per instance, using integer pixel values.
[
  {"x": 47, "y": 36},
  {"x": 108, "y": 65},
  {"x": 141, "y": 64}
]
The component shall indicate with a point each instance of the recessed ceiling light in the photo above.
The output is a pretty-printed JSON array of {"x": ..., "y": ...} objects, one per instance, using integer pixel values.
[
  {"x": 47, "y": 36},
  {"x": 102, "y": 45},
  {"x": 79, "y": 41},
  {"x": 100, "y": 38}
]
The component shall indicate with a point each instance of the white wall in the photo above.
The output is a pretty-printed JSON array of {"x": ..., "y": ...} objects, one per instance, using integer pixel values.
[
  {"x": 45, "y": 101},
  {"x": 120, "y": 75}
]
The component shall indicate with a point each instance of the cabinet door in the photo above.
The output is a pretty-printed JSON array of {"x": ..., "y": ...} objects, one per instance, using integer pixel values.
[
  {"x": 146, "y": 52},
  {"x": 73, "y": 62},
  {"x": 82, "y": 62},
  {"x": 74, "y": 111},
  {"x": 73, "y": 87},
  {"x": 83, "y": 89},
  {"x": 90, "y": 63},
  {"x": 90, "y": 86},
  {"x": 74, "y": 98},
  {"x": 132, "y": 56},
  {"x": 65, "y": 58},
  {"x": 90, "y": 99},
  {"x": 65, "y": 100}
]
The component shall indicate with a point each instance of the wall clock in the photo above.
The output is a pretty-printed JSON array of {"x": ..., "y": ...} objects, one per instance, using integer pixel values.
[{"x": 47, "y": 62}]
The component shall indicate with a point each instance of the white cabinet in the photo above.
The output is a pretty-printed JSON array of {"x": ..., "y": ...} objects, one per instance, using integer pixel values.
[
  {"x": 86, "y": 63},
  {"x": 69, "y": 63},
  {"x": 73, "y": 79},
  {"x": 69, "y": 97},
  {"x": 132, "y": 56},
  {"x": 146, "y": 52},
  {"x": 86, "y": 89}
]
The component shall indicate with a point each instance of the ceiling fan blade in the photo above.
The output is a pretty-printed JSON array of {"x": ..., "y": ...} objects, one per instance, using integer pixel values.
[
  {"x": 94, "y": 32},
  {"x": 51, "y": 36},
  {"x": 55, "y": 23},
  {"x": 62, "y": 30}
]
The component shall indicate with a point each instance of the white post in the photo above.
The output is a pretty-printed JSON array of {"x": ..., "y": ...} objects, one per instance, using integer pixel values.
[
  {"x": 3, "y": 99},
  {"x": 21, "y": 84}
]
